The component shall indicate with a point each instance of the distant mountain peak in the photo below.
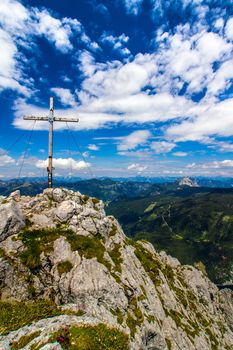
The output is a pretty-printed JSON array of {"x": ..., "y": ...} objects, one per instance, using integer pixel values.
[{"x": 187, "y": 181}]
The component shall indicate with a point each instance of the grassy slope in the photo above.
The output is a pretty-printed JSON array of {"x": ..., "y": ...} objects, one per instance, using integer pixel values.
[{"x": 192, "y": 228}]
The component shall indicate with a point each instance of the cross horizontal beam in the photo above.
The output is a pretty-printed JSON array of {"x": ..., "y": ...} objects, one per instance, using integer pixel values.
[
  {"x": 31, "y": 117},
  {"x": 62, "y": 119},
  {"x": 51, "y": 119},
  {"x": 55, "y": 119}
]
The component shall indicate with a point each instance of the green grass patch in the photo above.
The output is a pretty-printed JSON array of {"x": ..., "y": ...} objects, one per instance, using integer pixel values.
[
  {"x": 151, "y": 265},
  {"x": 113, "y": 230},
  {"x": 115, "y": 255},
  {"x": 14, "y": 315},
  {"x": 38, "y": 241},
  {"x": 98, "y": 337},
  {"x": 24, "y": 340},
  {"x": 118, "y": 313},
  {"x": 135, "y": 316},
  {"x": 64, "y": 267}
]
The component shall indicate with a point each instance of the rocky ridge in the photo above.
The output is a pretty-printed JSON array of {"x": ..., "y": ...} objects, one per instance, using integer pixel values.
[
  {"x": 61, "y": 247},
  {"x": 186, "y": 181}
]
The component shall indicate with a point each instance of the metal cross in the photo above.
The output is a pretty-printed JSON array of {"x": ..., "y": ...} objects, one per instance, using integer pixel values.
[{"x": 51, "y": 119}]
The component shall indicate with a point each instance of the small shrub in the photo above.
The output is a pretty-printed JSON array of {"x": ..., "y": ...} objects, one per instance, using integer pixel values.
[
  {"x": 24, "y": 340},
  {"x": 64, "y": 267},
  {"x": 14, "y": 315},
  {"x": 118, "y": 314},
  {"x": 115, "y": 255},
  {"x": 91, "y": 338},
  {"x": 113, "y": 230},
  {"x": 85, "y": 199},
  {"x": 151, "y": 265},
  {"x": 95, "y": 201},
  {"x": 135, "y": 316}
]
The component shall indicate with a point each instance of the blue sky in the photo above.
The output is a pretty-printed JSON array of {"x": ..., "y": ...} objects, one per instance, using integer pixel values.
[{"x": 150, "y": 80}]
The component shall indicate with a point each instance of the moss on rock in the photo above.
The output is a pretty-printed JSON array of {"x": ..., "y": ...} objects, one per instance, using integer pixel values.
[
  {"x": 90, "y": 337},
  {"x": 24, "y": 340},
  {"x": 12, "y": 317},
  {"x": 64, "y": 267}
]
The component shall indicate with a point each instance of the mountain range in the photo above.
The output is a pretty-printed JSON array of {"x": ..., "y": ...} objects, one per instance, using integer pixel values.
[{"x": 192, "y": 222}]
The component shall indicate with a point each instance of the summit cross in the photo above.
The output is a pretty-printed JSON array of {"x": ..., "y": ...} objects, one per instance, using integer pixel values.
[{"x": 51, "y": 119}]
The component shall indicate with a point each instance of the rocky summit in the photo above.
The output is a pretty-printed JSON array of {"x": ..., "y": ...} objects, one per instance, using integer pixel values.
[{"x": 71, "y": 279}]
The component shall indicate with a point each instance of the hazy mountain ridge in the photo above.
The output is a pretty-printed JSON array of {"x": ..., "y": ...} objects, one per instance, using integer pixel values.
[
  {"x": 33, "y": 186},
  {"x": 61, "y": 250},
  {"x": 184, "y": 236}
]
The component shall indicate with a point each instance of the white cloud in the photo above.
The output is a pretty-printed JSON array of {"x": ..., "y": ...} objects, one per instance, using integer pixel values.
[
  {"x": 57, "y": 31},
  {"x": 135, "y": 139},
  {"x": 19, "y": 28},
  {"x": 10, "y": 75},
  {"x": 65, "y": 96},
  {"x": 212, "y": 118},
  {"x": 224, "y": 146},
  {"x": 118, "y": 79},
  {"x": 118, "y": 43},
  {"x": 64, "y": 163},
  {"x": 132, "y": 6},
  {"x": 162, "y": 146},
  {"x": 85, "y": 154},
  {"x": 229, "y": 29},
  {"x": 221, "y": 79},
  {"x": 139, "y": 90},
  {"x": 93, "y": 147},
  {"x": 87, "y": 120},
  {"x": 137, "y": 167},
  {"x": 180, "y": 154},
  {"x": 12, "y": 15},
  {"x": 221, "y": 164},
  {"x": 188, "y": 58},
  {"x": 5, "y": 160}
]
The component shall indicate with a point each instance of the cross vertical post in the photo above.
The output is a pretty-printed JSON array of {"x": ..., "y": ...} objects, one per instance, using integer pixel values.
[
  {"x": 50, "y": 158},
  {"x": 51, "y": 119}
]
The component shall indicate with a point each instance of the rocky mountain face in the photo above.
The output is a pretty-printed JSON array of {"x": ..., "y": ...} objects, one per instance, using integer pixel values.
[
  {"x": 69, "y": 275},
  {"x": 186, "y": 181}
]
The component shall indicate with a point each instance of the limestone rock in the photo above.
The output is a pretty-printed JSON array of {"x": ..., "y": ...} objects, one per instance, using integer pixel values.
[
  {"x": 72, "y": 253},
  {"x": 65, "y": 210},
  {"x": 11, "y": 219}
]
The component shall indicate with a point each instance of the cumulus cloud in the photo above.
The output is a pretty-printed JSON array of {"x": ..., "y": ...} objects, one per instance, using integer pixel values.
[
  {"x": 118, "y": 43},
  {"x": 137, "y": 167},
  {"x": 218, "y": 164},
  {"x": 229, "y": 29},
  {"x": 13, "y": 15},
  {"x": 93, "y": 147},
  {"x": 153, "y": 87},
  {"x": 162, "y": 146},
  {"x": 5, "y": 160},
  {"x": 55, "y": 30},
  {"x": 65, "y": 96},
  {"x": 212, "y": 118},
  {"x": 64, "y": 163},
  {"x": 20, "y": 26},
  {"x": 135, "y": 139}
]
